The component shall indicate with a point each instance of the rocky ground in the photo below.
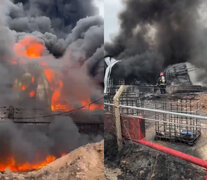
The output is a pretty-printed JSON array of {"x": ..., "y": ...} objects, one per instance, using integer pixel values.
[
  {"x": 84, "y": 163},
  {"x": 136, "y": 162}
]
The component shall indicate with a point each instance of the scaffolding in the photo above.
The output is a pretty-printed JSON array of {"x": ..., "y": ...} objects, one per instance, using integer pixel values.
[
  {"x": 176, "y": 128},
  {"x": 168, "y": 126},
  {"x": 129, "y": 97}
]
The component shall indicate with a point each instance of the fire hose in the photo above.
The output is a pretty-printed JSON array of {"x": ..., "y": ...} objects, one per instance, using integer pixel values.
[{"x": 186, "y": 157}]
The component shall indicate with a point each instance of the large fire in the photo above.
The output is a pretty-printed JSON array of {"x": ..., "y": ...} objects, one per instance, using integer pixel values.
[
  {"x": 30, "y": 48},
  {"x": 15, "y": 166},
  {"x": 12, "y": 165}
]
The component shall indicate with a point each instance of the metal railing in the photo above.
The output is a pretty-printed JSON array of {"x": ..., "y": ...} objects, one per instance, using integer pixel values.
[{"x": 174, "y": 119}]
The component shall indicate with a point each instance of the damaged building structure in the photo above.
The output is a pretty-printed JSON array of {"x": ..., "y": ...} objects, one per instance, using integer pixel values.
[{"x": 180, "y": 98}]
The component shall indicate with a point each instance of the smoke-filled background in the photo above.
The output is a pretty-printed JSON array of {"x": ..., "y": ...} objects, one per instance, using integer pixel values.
[
  {"x": 33, "y": 145},
  {"x": 155, "y": 34},
  {"x": 71, "y": 34},
  {"x": 71, "y": 31}
]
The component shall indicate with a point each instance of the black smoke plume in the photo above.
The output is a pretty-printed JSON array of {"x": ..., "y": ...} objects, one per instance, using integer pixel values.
[
  {"x": 59, "y": 24},
  {"x": 157, "y": 33},
  {"x": 71, "y": 31},
  {"x": 72, "y": 34},
  {"x": 32, "y": 144}
]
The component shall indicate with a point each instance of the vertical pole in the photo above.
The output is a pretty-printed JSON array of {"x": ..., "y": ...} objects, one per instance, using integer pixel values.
[
  {"x": 11, "y": 112},
  {"x": 117, "y": 116}
]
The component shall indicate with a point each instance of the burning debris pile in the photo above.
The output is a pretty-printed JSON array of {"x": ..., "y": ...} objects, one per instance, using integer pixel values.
[
  {"x": 49, "y": 60},
  {"x": 75, "y": 165},
  {"x": 29, "y": 147},
  {"x": 156, "y": 34}
]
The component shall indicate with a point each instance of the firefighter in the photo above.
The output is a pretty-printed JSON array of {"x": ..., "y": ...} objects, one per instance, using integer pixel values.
[{"x": 162, "y": 83}]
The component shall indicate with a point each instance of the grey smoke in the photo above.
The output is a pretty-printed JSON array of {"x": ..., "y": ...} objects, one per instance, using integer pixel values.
[
  {"x": 6, "y": 44},
  {"x": 73, "y": 36},
  {"x": 80, "y": 45},
  {"x": 170, "y": 31},
  {"x": 96, "y": 64},
  {"x": 26, "y": 143},
  {"x": 61, "y": 14},
  {"x": 59, "y": 23},
  {"x": 23, "y": 24}
]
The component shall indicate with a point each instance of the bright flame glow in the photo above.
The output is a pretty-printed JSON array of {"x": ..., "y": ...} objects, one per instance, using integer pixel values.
[
  {"x": 23, "y": 88},
  {"x": 32, "y": 94},
  {"x": 49, "y": 74},
  {"x": 29, "y": 47},
  {"x": 33, "y": 79},
  {"x": 12, "y": 165}
]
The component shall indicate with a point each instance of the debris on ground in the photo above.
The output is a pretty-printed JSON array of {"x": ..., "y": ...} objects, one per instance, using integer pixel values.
[
  {"x": 111, "y": 174},
  {"x": 84, "y": 163},
  {"x": 139, "y": 162}
]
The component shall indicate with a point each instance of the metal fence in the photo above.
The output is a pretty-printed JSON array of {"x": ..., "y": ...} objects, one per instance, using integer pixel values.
[
  {"x": 174, "y": 127},
  {"x": 168, "y": 126}
]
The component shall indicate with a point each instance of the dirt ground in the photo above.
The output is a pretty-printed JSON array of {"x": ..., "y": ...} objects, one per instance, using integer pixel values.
[
  {"x": 84, "y": 163},
  {"x": 200, "y": 148},
  {"x": 136, "y": 162}
]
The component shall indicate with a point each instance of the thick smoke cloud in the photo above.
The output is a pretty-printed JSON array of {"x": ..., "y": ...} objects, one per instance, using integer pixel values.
[
  {"x": 160, "y": 33},
  {"x": 34, "y": 143},
  {"x": 75, "y": 42},
  {"x": 55, "y": 16},
  {"x": 72, "y": 34},
  {"x": 59, "y": 23}
]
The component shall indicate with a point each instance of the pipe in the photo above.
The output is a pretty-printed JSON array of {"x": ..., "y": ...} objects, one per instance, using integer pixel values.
[
  {"x": 175, "y": 153},
  {"x": 110, "y": 63},
  {"x": 161, "y": 111}
]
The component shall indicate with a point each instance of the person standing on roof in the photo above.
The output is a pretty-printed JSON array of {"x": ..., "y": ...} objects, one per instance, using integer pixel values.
[{"x": 162, "y": 83}]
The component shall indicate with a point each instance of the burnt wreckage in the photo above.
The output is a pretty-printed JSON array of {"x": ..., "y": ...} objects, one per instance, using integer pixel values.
[
  {"x": 181, "y": 98},
  {"x": 36, "y": 110}
]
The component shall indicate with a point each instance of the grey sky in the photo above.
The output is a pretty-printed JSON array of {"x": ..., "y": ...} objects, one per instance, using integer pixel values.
[
  {"x": 100, "y": 5},
  {"x": 111, "y": 22}
]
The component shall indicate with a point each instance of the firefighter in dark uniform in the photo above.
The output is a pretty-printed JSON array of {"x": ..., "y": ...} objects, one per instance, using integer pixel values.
[{"x": 162, "y": 83}]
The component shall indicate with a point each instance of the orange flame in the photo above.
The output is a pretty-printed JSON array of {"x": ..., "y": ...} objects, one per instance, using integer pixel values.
[
  {"x": 56, "y": 102},
  {"x": 29, "y": 47},
  {"x": 56, "y": 86},
  {"x": 12, "y": 165},
  {"x": 33, "y": 79},
  {"x": 23, "y": 88},
  {"x": 32, "y": 94},
  {"x": 90, "y": 106},
  {"x": 32, "y": 48},
  {"x": 49, "y": 74},
  {"x": 15, "y": 166}
]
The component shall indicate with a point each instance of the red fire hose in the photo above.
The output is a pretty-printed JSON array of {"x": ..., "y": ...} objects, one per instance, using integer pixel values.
[{"x": 175, "y": 153}]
